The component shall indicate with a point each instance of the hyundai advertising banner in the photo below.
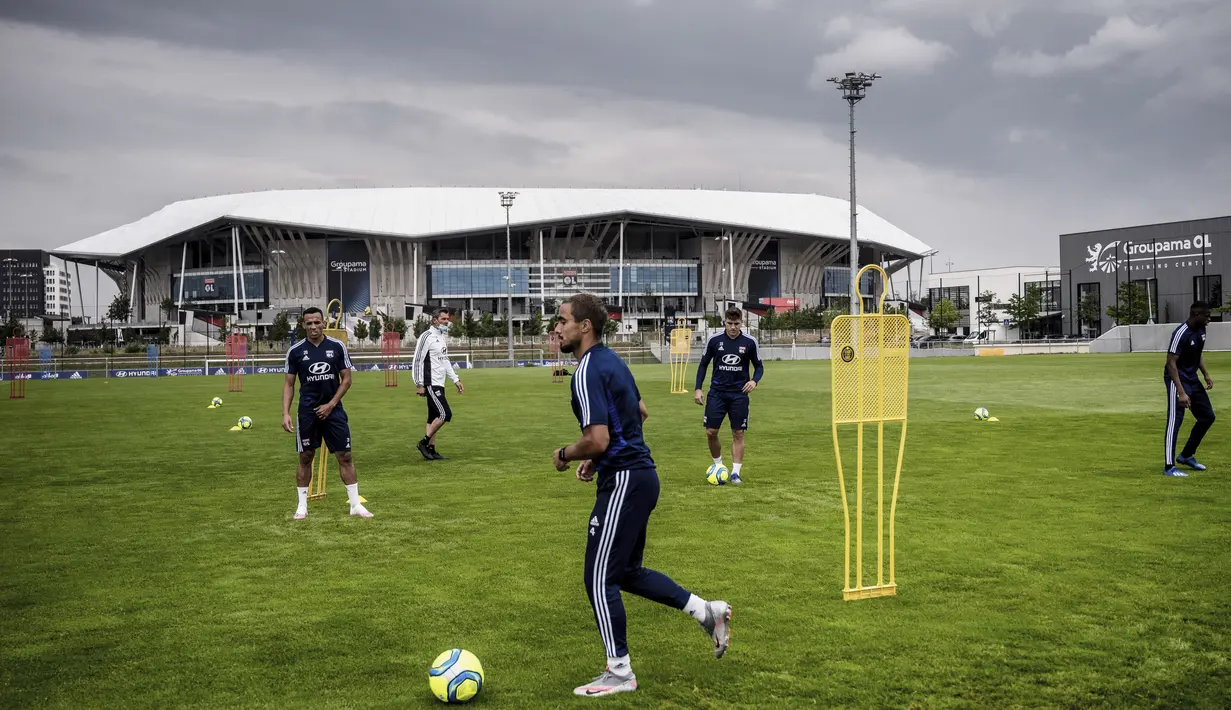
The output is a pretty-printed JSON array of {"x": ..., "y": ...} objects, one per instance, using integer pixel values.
[
  {"x": 348, "y": 275},
  {"x": 763, "y": 274}
]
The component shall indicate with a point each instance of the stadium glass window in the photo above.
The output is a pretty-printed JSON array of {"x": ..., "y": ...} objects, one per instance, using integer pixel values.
[
  {"x": 1208, "y": 288},
  {"x": 1092, "y": 291},
  {"x": 959, "y": 296},
  {"x": 1049, "y": 292}
]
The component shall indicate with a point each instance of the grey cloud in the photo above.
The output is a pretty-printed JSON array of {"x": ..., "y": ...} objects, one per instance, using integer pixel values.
[
  {"x": 745, "y": 59},
  {"x": 1096, "y": 134}
]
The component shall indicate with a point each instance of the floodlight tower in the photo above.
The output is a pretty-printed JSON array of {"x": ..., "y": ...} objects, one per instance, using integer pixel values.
[
  {"x": 853, "y": 86},
  {"x": 506, "y": 201}
]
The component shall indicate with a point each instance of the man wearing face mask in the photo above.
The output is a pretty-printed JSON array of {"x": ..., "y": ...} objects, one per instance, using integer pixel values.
[{"x": 430, "y": 365}]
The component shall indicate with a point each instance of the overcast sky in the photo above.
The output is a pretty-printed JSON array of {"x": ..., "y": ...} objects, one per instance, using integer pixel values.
[{"x": 998, "y": 123}]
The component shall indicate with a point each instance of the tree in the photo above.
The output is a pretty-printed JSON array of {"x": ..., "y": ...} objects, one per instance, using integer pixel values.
[
  {"x": 51, "y": 335},
  {"x": 11, "y": 328},
  {"x": 120, "y": 309},
  {"x": 397, "y": 325},
  {"x": 375, "y": 328},
  {"x": 1088, "y": 313},
  {"x": 839, "y": 307},
  {"x": 987, "y": 310},
  {"x": 1023, "y": 311},
  {"x": 487, "y": 326},
  {"x": 422, "y": 324},
  {"x": 534, "y": 327},
  {"x": 1133, "y": 307},
  {"x": 611, "y": 327},
  {"x": 167, "y": 305},
  {"x": 281, "y": 329},
  {"x": 770, "y": 321},
  {"x": 943, "y": 316},
  {"x": 361, "y": 331},
  {"x": 300, "y": 333}
]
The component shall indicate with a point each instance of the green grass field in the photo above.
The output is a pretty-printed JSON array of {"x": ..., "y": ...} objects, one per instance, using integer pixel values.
[{"x": 150, "y": 558}]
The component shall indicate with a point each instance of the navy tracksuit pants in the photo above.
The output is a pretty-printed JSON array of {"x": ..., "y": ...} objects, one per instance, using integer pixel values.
[
  {"x": 1202, "y": 410},
  {"x": 614, "y": 550}
]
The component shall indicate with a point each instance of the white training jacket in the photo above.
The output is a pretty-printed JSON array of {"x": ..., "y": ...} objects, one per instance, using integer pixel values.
[{"x": 432, "y": 359}]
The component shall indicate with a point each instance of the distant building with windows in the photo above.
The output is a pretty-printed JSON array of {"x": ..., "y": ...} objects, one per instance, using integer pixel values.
[
  {"x": 23, "y": 283},
  {"x": 58, "y": 289},
  {"x": 971, "y": 289},
  {"x": 1170, "y": 264}
]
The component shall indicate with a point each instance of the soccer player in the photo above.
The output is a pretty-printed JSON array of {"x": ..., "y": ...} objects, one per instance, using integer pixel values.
[
  {"x": 731, "y": 351},
  {"x": 1184, "y": 390},
  {"x": 322, "y": 365},
  {"x": 608, "y": 407},
  {"x": 429, "y": 367}
]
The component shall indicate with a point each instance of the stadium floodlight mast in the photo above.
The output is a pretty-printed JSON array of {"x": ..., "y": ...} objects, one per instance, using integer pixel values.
[
  {"x": 506, "y": 201},
  {"x": 853, "y": 86}
]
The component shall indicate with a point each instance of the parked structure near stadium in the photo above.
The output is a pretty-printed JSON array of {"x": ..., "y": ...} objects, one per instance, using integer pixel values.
[{"x": 652, "y": 254}]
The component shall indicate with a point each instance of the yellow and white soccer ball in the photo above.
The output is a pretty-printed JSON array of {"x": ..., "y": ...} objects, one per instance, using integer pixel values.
[
  {"x": 717, "y": 475},
  {"x": 245, "y": 422},
  {"x": 216, "y": 402},
  {"x": 456, "y": 676},
  {"x": 981, "y": 414}
]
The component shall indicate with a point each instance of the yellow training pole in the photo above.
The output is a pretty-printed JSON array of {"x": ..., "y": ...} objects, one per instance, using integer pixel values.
[{"x": 870, "y": 357}]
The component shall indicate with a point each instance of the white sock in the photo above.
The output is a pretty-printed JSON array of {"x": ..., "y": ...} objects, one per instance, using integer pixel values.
[
  {"x": 303, "y": 498},
  {"x": 621, "y": 666},
  {"x": 718, "y": 461},
  {"x": 352, "y": 492},
  {"x": 735, "y": 467},
  {"x": 695, "y": 607}
]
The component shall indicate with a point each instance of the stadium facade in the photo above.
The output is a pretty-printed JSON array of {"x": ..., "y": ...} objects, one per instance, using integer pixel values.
[
  {"x": 653, "y": 254},
  {"x": 1173, "y": 263}
]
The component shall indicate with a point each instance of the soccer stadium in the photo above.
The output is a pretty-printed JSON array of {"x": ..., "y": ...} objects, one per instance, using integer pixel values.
[
  {"x": 954, "y": 527},
  {"x": 654, "y": 255}
]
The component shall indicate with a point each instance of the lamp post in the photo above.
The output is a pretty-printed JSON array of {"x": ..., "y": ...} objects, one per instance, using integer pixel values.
[
  {"x": 853, "y": 86},
  {"x": 506, "y": 201}
]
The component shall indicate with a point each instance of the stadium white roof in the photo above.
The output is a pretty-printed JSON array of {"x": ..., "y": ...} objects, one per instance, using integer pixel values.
[{"x": 433, "y": 212}]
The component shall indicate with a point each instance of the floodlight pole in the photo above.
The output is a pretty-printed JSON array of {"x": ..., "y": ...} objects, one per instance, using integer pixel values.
[
  {"x": 506, "y": 201},
  {"x": 853, "y": 86}
]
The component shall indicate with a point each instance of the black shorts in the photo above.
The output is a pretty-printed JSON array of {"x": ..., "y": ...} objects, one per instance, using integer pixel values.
[
  {"x": 723, "y": 405},
  {"x": 334, "y": 430},
  {"x": 438, "y": 405}
]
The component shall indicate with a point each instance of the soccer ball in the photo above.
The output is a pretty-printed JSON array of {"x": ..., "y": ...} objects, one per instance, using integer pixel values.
[
  {"x": 216, "y": 401},
  {"x": 245, "y": 422},
  {"x": 456, "y": 676},
  {"x": 717, "y": 474},
  {"x": 981, "y": 414}
]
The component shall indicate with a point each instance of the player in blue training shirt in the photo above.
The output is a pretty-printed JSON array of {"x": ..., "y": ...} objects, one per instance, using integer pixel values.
[
  {"x": 609, "y": 409},
  {"x": 322, "y": 365},
  {"x": 731, "y": 351},
  {"x": 1184, "y": 390}
]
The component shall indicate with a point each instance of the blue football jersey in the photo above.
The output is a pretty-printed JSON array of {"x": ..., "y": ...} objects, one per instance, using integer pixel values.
[
  {"x": 604, "y": 392},
  {"x": 319, "y": 368},
  {"x": 1187, "y": 344},
  {"x": 731, "y": 358}
]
